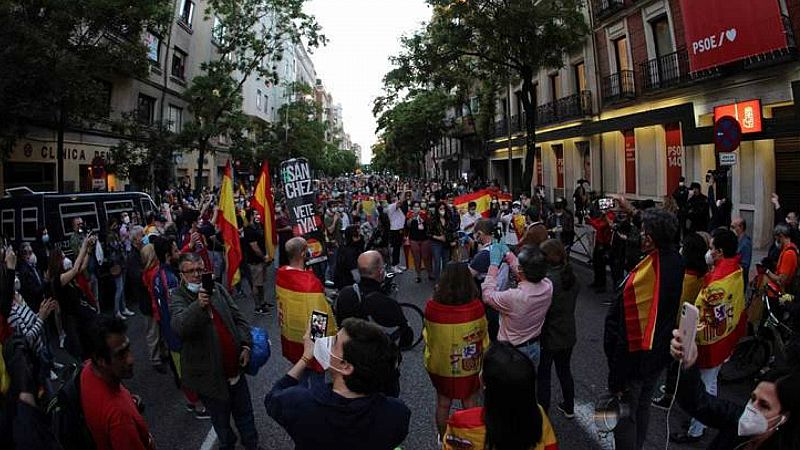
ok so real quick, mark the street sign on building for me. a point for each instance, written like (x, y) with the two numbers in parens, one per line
(727, 159)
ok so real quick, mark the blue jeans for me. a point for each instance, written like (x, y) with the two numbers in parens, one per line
(119, 294)
(441, 256)
(533, 350)
(240, 407)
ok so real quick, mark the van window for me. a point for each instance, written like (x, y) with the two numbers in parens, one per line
(8, 228)
(87, 211)
(114, 209)
(147, 206)
(30, 222)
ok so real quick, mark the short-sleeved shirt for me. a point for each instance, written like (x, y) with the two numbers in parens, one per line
(787, 263)
(251, 235)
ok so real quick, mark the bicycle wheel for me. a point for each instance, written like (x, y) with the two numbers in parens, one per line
(747, 359)
(416, 320)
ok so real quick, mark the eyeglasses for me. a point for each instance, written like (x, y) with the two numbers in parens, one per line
(196, 271)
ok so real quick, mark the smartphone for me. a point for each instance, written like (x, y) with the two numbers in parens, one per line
(208, 283)
(319, 324)
(688, 327)
(606, 203)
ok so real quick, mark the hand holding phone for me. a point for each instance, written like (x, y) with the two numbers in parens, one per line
(688, 332)
(208, 283)
(319, 324)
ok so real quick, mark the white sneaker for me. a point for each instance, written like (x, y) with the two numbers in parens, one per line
(128, 312)
(61, 340)
(401, 268)
(121, 317)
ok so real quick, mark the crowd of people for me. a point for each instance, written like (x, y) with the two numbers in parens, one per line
(501, 315)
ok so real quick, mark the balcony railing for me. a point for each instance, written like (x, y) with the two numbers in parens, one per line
(619, 86)
(666, 71)
(566, 108)
(605, 8)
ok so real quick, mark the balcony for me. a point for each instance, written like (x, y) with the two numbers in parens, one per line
(666, 71)
(572, 107)
(619, 86)
(606, 8)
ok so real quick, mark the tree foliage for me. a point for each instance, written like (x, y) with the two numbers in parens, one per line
(489, 40)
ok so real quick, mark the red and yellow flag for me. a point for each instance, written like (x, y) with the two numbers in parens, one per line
(455, 339)
(466, 430)
(640, 301)
(264, 203)
(482, 199)
(299, 292)
(722, 310)
(226, 224)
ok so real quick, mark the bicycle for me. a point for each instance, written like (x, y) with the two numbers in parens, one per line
(766, 348)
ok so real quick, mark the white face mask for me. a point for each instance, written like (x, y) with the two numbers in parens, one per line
(193, 287)
(67, 263)
(322, 352)
(753, 423)
(126, 220)
(32, 259)
(45, 238)
(709, 258)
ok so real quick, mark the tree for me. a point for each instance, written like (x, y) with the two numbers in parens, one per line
(252, 37)
(58, 57)
(491, 40)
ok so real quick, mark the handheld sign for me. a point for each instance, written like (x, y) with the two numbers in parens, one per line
(298, 189)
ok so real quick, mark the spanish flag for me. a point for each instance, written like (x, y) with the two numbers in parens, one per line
(299, 292)
(455, 340)
(722, 313)
(640, 303)
(264, 203)
(482, 199)
(226, 224)
(466, 430)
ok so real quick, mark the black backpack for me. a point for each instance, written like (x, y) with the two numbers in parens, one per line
(66, 414)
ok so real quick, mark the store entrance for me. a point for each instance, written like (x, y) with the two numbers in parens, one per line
(787, 171)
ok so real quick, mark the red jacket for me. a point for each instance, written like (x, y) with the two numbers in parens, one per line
(602, 227)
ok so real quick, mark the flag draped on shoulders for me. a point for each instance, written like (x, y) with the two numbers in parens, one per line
(482, 199)
(229, 229)
(264, 203)
(466, 430)
(722, 307)
(455, 339)
(640, 298)
(299, 292)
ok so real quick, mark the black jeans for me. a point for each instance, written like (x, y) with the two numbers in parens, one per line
(599, 256)
(396, 241)
(631, 431)
(240, 407)
(562, 360)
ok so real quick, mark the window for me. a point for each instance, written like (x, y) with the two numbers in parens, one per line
(580, 77)
(662, 36)
(175, 119)
(30, 222)
(266, 103)
(187, 11)
(153, 44)
(105, 88)
(621, 54)
(8, 225)
(179, 64)
(146, 109)
(474, 105)
(258, 99)
(86, 211)
(555, 86)
(218, 32)
(147, 205)
(114, 209)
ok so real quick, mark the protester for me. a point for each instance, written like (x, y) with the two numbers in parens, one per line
(697, 209)
(469, 220)
(561, 223)
(397, 218)
(636, 351)
(215, 346)
(346, 266)
(744, 247)
(601, 221)
(455, 324)
(350, 413)
(782, 277)
(510, 417)
(260, 263)
(32, 283)
(769, 420)
(111, 412)
(558, 332)
(522, 309)
(443, 239)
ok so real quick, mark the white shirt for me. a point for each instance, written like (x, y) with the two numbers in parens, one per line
(469, 219)
(397, 220)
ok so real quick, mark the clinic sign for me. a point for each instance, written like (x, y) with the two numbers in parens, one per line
(722, 31)
(300, 195)
(25, 150)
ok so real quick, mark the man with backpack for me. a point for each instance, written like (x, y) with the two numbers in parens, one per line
(111, 412)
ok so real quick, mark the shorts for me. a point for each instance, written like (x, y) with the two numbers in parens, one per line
(257, 274)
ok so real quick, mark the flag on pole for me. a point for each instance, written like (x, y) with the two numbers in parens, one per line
(482, 199)
(228, 227)
(264, 203)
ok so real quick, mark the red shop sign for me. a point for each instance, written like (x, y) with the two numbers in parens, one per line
(630, 161)
(722, 31)
(748, 114)
(674, 143)
(539, 172)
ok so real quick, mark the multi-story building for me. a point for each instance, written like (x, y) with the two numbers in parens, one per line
(635, 110)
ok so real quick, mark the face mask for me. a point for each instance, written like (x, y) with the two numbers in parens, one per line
(441, 212)
(681, 184)
(277, 209)
(32, 259)
(322, 352)
(126, 220)
(193, 287)
(146, 240)
(45, 238)
(17, 284)
(752, 422)
(424, 205)
(709, 258)
(515, 210)
(472, 211)
(67, 263)
(416, 209)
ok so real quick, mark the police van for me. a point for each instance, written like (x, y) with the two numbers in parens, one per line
(24, 212)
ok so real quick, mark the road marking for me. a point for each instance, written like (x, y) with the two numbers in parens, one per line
(584, 416)
(211, 439)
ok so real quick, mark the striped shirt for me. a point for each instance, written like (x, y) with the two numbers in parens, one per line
(26, 324)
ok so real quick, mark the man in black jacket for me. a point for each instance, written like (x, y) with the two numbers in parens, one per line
(639, 325)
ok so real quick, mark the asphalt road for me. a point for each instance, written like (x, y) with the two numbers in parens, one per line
(174, 428)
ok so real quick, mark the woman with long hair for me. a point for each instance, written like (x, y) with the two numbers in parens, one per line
(511, 418)
(419, 239)
(443, 238)
(558, 333)
(455, 311)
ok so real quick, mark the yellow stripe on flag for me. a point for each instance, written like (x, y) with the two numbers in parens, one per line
(226, 223)
(294, 312)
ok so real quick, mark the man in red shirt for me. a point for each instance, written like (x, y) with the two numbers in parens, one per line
(110, 410)
(786, 268)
